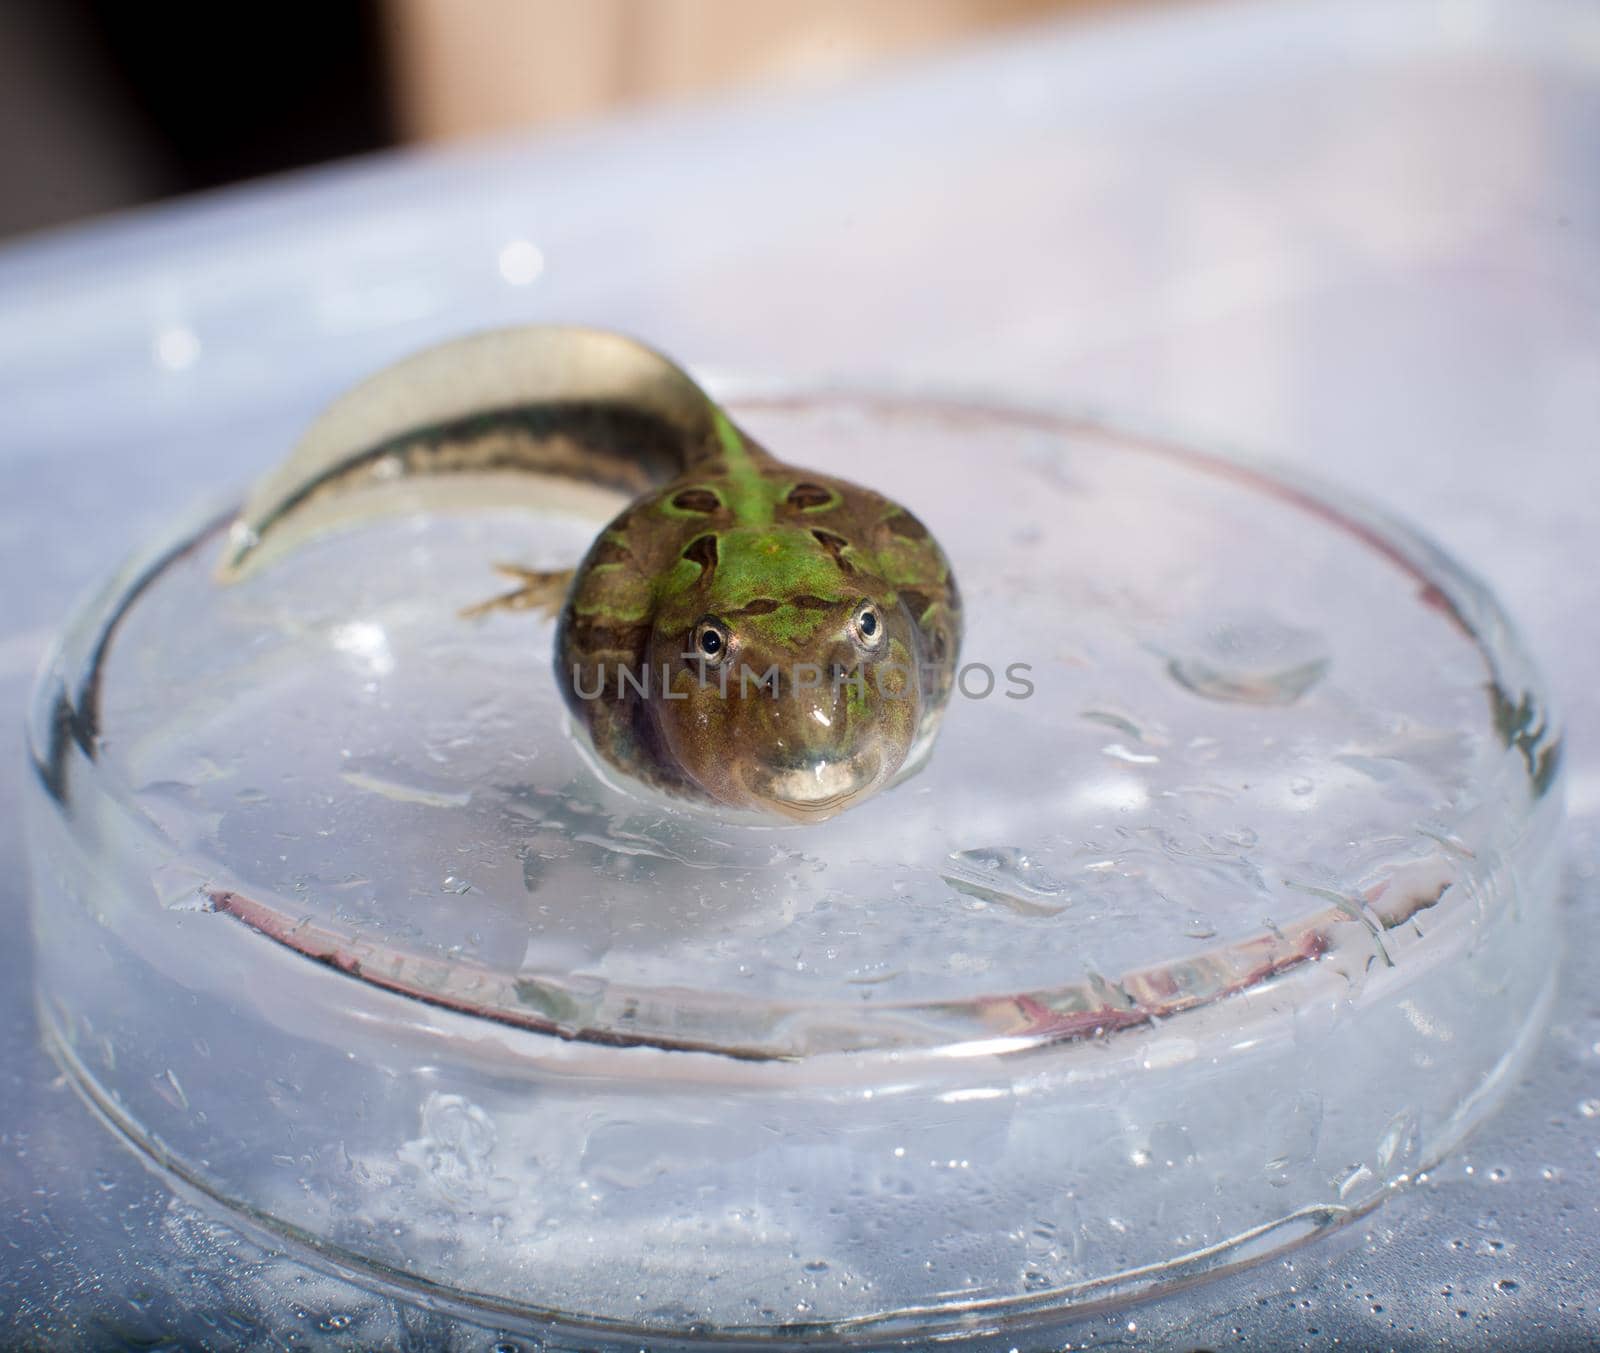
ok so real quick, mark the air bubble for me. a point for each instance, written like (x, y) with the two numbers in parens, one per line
(1251, 659)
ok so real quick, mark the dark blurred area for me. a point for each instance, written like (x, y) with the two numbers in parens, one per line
(106, 104)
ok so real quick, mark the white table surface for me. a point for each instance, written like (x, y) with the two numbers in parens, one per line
(1363, 238)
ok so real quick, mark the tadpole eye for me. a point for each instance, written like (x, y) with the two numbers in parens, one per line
(711, 640)
(868, 625)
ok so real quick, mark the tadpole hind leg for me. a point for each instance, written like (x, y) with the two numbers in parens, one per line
(541, 591)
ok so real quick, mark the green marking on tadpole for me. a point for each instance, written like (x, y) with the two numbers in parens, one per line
(792, 625)
(777, 564)
(750, 493)
(667, 508)
(728, 435)
(628, 609)
(683, 575)
(855, 696)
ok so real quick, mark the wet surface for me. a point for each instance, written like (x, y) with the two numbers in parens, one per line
(1343, 294)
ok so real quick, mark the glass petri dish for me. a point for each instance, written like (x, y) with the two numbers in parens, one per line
(1224, 905)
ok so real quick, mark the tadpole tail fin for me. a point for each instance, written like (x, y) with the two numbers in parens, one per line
(582, 404)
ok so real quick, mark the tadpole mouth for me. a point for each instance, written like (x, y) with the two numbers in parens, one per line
(814, 791)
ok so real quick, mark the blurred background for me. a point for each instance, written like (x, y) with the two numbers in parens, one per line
(101, 107)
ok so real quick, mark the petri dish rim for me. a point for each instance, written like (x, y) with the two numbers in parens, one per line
(64, 727)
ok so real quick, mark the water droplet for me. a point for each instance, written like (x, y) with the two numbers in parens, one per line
(1006, 875)
(196, 899)
(397, 791)
(1295, 1128)
(171, 1089)
(458, 1139)
(1251, 659)
(1506, 1285)
(1590, 1108)
(1171, 1145)
(1119, 752)
(1400, 1144)
(1357, 1183)
(1126, 725)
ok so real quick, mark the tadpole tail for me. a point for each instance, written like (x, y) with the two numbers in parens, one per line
(581, 404)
